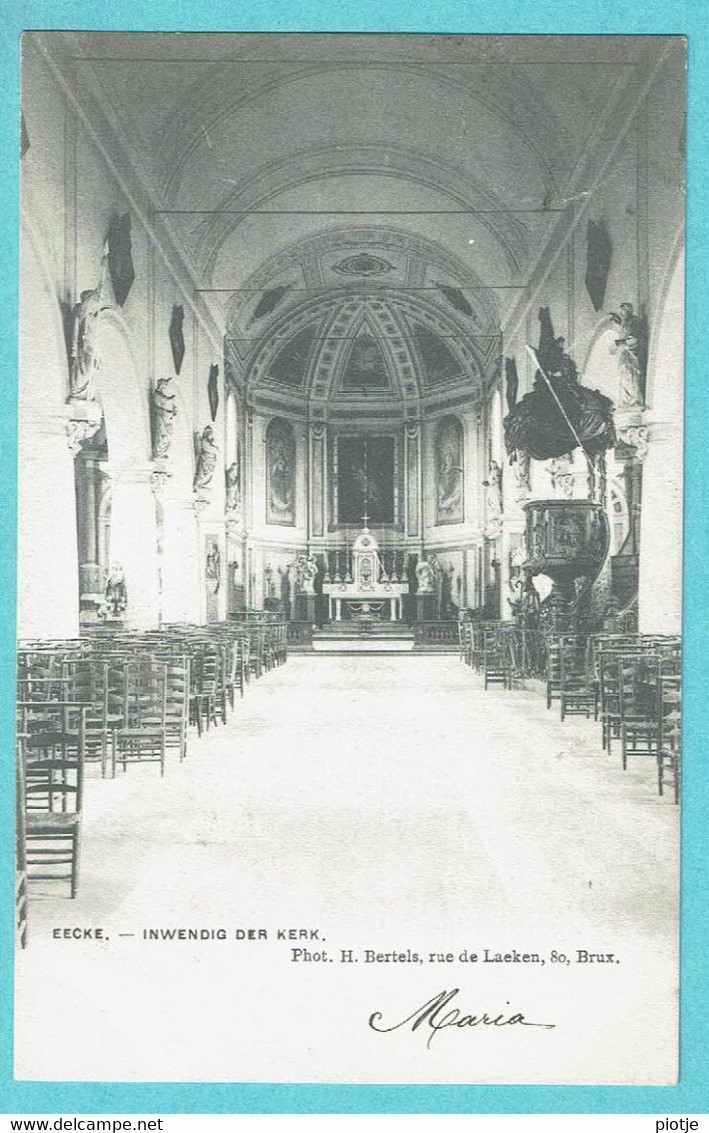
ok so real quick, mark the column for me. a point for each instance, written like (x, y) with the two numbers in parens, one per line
(317, 477)
(660, 585)
(134, 544)
(47, 560)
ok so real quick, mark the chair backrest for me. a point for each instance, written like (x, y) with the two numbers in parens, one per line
(54, 752)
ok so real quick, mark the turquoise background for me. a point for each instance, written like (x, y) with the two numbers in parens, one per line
(530, 16)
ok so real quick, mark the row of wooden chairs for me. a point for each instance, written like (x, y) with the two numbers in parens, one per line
(114, 699)
(631, 682)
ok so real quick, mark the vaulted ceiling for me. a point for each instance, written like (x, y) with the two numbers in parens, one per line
(306, 172)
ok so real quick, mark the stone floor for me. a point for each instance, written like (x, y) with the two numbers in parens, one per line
(395, 808)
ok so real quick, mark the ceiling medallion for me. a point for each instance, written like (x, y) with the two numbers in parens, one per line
(363, 264)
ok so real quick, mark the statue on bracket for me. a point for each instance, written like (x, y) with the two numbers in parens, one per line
(493, 494)
(207, 455)
(84, 356)
(630, 349)
(233, 487)
(164, 412)
(213, 566)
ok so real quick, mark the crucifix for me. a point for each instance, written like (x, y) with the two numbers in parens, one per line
(365, 520)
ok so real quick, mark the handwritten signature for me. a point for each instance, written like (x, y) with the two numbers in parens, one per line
(434, 1014)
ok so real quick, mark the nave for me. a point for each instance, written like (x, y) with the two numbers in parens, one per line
(391, 803)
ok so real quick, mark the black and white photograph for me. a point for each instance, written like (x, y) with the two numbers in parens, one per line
(350, 529)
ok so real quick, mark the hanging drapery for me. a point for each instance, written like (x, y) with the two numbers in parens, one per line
(598, 261)
(120, 258)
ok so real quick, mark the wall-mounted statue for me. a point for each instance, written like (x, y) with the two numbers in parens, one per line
(630, 348)
(115, 595)
(449, 471)
(280, 472)
(164, 412)
(213, 567)
(493, 493)
(521, 463)
(233, 487)
(207, 455)
(84, 356)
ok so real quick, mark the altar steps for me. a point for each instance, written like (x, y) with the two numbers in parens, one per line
(363, 637)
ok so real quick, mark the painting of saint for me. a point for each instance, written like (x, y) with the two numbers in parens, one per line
(449, 471)
(280, 473)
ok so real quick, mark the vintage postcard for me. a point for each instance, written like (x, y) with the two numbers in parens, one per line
(349, 690)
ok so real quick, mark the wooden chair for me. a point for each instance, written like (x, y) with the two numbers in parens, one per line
(496, 668)
(669, 749)
(53, 755)
(21, 901)
(142, 737)
(576, 696)
(638, 688)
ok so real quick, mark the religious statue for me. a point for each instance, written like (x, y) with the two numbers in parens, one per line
(521, 463)
(426, 576)
(213, 567)
(207, 453)
(115, 597)
(630, 349)
(493, 494)
(84, 358)
(311, 573)
(164, 412)
(233, 487)
(562, 477)
(306, 571)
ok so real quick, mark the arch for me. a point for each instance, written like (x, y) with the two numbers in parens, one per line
(315, 247)
(122, 397)
(134, 535)
(600, 369)
(231, 453)
(325, 162)
(516, 100)
(341, 314)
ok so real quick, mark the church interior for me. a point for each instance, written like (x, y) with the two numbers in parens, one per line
(350, 495)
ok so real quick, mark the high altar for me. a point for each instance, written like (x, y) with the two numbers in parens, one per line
(369, 587)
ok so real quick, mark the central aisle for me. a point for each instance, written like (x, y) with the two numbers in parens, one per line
(391, 804)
